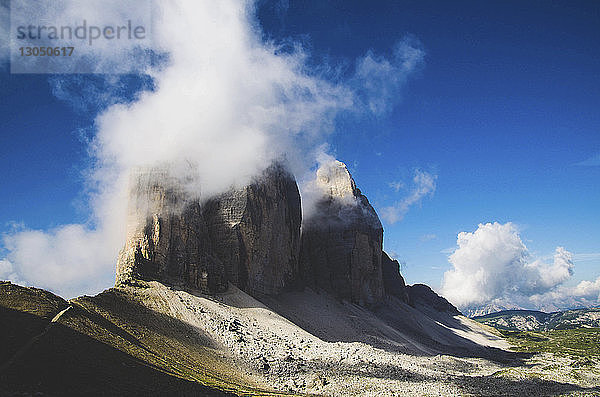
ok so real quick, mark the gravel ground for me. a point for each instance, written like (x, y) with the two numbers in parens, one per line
(364, 362)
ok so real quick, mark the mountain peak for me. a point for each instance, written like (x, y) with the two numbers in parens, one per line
(336, 181)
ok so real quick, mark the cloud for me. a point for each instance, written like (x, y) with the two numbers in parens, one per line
(587, 257)
(396, 185)
(67, 260)
(423, 186)
(584, 294)
(379, 78)
(493, 267)
(4, 26)
(428, 237)
(7, 271)
(91, 94)
(222, 100)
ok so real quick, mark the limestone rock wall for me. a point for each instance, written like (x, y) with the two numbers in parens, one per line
(167, 236)
(256, 232)
(421, 295)
(249, 237)
(342, 241)
(393, 281)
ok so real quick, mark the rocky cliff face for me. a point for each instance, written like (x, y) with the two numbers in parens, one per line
(249, 237)
(420, 295)
(341, 244)
(167, 237)
(393, 281)
(256, 232)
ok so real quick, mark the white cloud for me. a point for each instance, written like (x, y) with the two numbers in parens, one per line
(396, 185)
(67, 260)
(379, 77)
(493, 267)
(584, 294)
(7, 272)
(428, 237)
(587, 257)
(4, 26)
(423, 186)
(226, 102)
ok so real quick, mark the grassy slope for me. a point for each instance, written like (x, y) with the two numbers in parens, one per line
(579, 343)
(108, 345)
(17, 329)
(559, 336)
(569, 355)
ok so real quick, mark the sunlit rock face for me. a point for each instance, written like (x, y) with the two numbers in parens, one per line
(249, 237)
(342, 240)
(167, 238)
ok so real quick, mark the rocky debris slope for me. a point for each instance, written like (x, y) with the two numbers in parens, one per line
(342, 241)
(152, 339)
(250, 236)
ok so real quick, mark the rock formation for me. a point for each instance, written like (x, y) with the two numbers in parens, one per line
(249, 237)
(421, 295)
(167, 237)
(393, 282)
(342, 241)
(255, 231)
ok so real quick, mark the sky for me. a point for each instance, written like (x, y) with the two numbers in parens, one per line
(472, 127)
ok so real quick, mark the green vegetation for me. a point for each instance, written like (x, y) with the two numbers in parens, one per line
(107, 345)
(582, 344)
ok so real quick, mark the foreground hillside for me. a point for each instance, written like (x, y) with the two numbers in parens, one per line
(55, 347)
(153, 339)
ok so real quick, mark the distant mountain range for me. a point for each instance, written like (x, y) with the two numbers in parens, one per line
(532, 320)
(490, 308)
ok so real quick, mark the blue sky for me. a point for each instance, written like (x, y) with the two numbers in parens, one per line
(502, 110)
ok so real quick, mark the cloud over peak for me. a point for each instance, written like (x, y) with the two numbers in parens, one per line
(223, 100)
